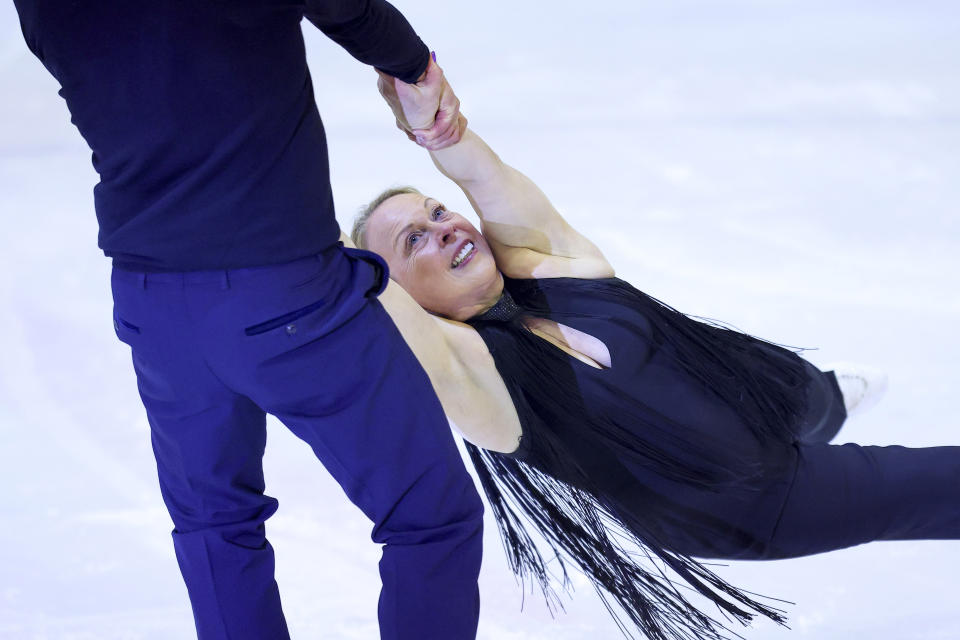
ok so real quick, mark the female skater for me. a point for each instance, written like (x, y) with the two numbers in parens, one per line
(602, 415)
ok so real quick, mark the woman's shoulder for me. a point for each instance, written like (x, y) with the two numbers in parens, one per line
(481, 407)
(469, 348)
(463, 338)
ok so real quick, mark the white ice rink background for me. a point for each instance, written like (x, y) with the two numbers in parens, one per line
(790, 167)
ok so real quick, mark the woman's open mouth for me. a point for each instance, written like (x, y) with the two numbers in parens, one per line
(464, 256)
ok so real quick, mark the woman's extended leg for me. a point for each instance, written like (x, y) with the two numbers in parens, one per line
(825, 409)
(844, 495)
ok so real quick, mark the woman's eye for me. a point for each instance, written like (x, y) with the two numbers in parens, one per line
(439, 211)
(412, 238)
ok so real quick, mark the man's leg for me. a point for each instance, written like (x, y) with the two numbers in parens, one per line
(381, 432)
(321, 353)
(209, 443)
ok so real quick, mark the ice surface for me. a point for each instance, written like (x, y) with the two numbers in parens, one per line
(790, 167)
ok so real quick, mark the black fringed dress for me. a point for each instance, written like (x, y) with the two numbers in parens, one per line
(698, 442)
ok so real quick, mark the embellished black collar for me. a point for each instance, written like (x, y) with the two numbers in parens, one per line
(504, 310)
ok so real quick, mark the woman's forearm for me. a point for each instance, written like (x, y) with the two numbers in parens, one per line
(468, 162)
(498, 192)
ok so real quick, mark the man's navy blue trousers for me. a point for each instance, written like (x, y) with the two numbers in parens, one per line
(308, 342)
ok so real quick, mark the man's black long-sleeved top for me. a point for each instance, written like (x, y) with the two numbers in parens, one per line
(202, 121)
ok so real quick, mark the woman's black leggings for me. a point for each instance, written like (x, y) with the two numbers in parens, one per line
(820, 497)
(844, 495)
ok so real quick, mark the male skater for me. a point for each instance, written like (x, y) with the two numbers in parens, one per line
(237, 300)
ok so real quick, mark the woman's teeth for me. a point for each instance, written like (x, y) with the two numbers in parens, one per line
(467, 248)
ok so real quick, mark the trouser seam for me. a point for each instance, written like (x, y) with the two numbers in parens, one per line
(789, 492)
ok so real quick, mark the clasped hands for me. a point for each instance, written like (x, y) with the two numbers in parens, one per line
(427, 111)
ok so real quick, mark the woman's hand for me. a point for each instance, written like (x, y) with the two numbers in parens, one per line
(427, 111)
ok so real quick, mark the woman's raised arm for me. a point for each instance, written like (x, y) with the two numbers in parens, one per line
(528, 235)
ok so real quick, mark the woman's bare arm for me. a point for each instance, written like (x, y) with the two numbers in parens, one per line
(528, 235)
(460, 369)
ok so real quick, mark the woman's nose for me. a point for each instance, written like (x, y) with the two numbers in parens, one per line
(447, 234)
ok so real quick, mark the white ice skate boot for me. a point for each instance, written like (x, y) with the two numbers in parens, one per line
(862, 387)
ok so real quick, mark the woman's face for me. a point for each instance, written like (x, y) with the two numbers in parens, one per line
(441, 259)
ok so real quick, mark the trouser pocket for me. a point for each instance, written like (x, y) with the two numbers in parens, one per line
(285, 319)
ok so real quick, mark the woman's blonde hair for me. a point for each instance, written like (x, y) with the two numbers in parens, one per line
(358, 234)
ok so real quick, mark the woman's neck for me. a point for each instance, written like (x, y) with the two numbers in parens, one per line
(489, 301)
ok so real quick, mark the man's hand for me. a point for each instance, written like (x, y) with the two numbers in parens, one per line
(428, 111)
(434, 138)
